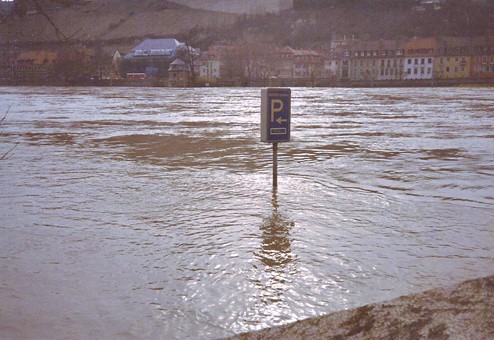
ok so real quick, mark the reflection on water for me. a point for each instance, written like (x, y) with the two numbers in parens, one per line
(275, 249)
(136, 213)
(278, 266)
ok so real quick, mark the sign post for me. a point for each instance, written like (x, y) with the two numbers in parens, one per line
(275, 121)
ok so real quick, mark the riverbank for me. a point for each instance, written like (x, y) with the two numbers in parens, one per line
(153, 82)
(465, 311)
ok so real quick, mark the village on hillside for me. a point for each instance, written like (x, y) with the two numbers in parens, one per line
(310, 54)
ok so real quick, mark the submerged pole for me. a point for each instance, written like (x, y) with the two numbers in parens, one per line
(275, 165)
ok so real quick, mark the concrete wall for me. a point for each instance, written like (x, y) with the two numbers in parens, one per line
(239, 6)
(462, 311)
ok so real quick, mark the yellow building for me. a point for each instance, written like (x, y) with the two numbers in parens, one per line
(453, 59)
(35, 66)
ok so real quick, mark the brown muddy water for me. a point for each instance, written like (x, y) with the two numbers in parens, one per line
(148, 212)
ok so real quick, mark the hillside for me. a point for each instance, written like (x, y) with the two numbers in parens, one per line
(122, 23)
(116, 22)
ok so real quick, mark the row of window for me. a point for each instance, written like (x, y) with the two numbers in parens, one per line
(456, 69)
(483, 68)
(484, 59)
(457, 59)
(422, 70)
(421, 51)
(375, 53)
(390, 72)
(464, 49)
(417, 60)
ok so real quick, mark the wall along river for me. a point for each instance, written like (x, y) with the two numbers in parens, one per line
(149, 212)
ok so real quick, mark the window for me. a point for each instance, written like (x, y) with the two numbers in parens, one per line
(422, 61)
(409, 61)
(429, 60)
(447, 69)
(416, 61)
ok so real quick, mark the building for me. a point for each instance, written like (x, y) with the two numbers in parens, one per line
(283, 63)
(307, 64)
(218, 64)
(179, 73)
(453, 58)
(482, 61)
(332, 64)
(419, 58)
(209, 69)
(391, 60)
(152, 57)
(35, 66)
(364, 60)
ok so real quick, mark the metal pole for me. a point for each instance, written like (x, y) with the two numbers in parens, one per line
(275, 165)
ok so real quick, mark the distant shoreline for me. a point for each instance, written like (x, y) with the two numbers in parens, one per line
(273, 83)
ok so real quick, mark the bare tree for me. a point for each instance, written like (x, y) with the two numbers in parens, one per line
(9, 152)
(192, 38)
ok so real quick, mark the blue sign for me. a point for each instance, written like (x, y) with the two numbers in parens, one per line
(275, 115)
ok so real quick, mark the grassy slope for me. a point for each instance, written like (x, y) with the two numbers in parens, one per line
(120, 23)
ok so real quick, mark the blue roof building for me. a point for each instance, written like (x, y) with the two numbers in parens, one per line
(152, 57)
(155, 47)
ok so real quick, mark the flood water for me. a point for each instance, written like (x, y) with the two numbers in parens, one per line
(149, 212)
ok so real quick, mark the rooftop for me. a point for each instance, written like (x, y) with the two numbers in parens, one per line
(155, 47)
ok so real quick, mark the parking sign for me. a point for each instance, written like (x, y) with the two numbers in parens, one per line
(275, 115)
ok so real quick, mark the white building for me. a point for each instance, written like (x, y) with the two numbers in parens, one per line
(419, 58)
(210, 69)
(419, 67)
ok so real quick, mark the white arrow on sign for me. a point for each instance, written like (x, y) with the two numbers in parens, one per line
(281, 120)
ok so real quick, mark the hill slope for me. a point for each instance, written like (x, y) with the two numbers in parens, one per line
(122, 23)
